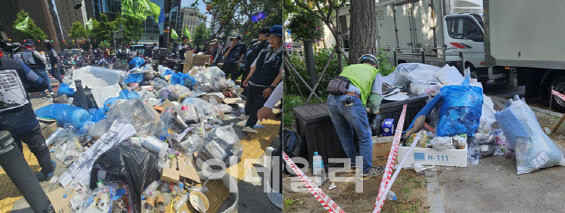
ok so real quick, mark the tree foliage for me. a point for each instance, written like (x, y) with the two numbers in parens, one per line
(132, 28)
(201, 33)
(105, 45)
(32, 31)
(304, 26)
(102, 29)
(78, 31)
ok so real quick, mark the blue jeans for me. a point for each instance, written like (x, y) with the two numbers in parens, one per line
(350, 119)
(43, 74)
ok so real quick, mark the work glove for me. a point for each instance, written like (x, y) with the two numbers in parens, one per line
(374, 102)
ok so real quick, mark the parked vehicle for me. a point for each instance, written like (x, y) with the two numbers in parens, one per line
(524, 38)
(435, 32)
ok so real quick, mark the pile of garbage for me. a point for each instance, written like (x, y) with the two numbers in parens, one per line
(135, 140)
(459, 116)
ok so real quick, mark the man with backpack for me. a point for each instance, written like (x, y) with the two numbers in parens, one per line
(35, 62)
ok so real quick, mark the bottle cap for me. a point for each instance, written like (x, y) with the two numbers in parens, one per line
(181, 185)
(315, 153)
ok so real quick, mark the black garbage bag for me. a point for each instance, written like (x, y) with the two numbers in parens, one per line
(130, 164)
(375, 121)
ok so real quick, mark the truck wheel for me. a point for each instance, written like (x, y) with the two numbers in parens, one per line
(559, 86)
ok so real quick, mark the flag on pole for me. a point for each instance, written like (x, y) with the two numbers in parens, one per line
(89, 24)
(187, 33)
(23, 25)
(162, 16)
(174, 34)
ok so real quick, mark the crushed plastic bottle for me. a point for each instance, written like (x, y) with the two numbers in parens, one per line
(181, 202)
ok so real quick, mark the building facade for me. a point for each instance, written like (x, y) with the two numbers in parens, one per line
(41, 11)
(68, 15)
(190, 19)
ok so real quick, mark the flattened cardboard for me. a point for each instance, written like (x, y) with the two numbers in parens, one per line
(233, 100)
(60, 204)
(48, 130)
(188, 171)
(170, 175)
(381, 150)
(167, 103)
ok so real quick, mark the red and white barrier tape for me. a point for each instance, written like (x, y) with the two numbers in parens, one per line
(429, 128)
(322, 198)
(391, 159)
(553, 92)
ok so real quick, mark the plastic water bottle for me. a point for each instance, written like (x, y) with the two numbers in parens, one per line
(318, 164)
(181, 202)
(391, 195)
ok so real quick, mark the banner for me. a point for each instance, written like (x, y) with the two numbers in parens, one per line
(187, 33)
(22, 26)
(162, 16)
(174, 34)
(140, 9)
(89, 25)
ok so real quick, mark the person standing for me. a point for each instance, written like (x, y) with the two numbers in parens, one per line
(54, 61)
(348, 113)
(216, 52)
(182, 48)
(264, 76)
(16, 113)
(233, 57)
(263, 42)
(35, 62)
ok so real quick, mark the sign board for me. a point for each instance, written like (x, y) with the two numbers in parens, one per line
(119, 33)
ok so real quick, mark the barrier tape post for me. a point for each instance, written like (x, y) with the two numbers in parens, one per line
(322, 198)
(562, 97)
(391, 159)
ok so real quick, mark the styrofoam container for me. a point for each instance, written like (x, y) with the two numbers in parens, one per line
(432, 157)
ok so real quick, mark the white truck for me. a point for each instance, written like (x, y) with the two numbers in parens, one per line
(435, 32)
(525, 38)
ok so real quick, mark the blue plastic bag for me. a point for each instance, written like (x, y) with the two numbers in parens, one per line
(108, 102)
(169, 72)
(134, 78)
(64, 114)
(97, 114)
(64, 89)
(182, 79)
(461, 110)
(136, 62)
(126, 94)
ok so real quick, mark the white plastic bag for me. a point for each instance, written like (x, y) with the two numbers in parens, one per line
(440, 143)
(449, 75)
(415, 73)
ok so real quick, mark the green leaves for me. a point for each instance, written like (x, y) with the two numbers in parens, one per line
(26, 27)
(140, 9)
(78, 31)
(304, 26)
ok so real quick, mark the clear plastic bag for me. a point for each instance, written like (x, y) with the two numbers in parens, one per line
(534, 149)
(449, 75)
(179, 92)
(191, 144)
(164, 93)
(220, 144)
(440, 143)
(133, 111)
(416, 73)
(99, 128)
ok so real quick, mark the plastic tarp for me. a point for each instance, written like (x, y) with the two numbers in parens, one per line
(64, 114)
(130, 164)
(534, 149)
(97, 114)
(105, 83)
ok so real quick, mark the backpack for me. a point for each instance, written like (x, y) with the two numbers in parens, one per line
(293, 144)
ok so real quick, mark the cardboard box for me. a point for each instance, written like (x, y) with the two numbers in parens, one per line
(48, 130)
(200, 60)
(381, 150)
(432, 157)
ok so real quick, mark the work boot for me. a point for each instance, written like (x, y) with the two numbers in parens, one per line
(249, 129)
(373, 172)
(46, 176)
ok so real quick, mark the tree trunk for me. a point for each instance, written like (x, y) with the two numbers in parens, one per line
(363, 29)
(310, 62)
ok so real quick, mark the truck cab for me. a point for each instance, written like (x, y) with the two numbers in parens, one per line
(465, 31)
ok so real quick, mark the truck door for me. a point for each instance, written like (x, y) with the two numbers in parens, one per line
(465, 32)
(403, 27)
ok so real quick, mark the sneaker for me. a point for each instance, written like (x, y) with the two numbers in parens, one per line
(249, 129)
(45, 177)
(373, 172)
